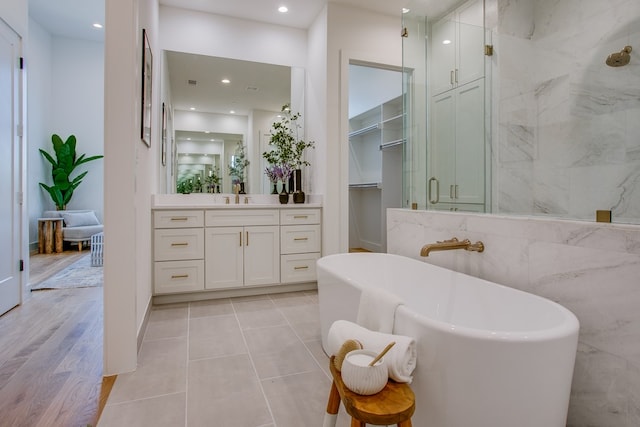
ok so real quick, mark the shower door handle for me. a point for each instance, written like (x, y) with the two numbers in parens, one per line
(437, 199)
(451, 77)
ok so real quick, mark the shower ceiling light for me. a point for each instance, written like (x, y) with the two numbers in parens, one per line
(446, 41)
(283, 9)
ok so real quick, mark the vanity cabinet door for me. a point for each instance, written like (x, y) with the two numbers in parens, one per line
(242, 256)
(224, 257)
(262, 255)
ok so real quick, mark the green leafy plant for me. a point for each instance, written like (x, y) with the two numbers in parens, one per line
(62, 166)
(286, 146)
(239, 163)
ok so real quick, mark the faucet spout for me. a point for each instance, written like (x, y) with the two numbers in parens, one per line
(236, 191)
(452, 244)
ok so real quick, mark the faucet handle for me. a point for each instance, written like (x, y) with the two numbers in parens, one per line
(246, 200)
(226, 200)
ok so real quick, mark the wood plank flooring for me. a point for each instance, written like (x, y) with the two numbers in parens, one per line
(51, 353)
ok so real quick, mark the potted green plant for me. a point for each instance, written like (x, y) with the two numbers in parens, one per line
(62, 167)
(238, 166)
(287, 148)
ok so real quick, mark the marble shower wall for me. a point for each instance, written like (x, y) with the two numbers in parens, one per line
(567, 133)
(593, 269)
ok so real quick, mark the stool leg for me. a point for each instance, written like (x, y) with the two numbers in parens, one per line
(405, 423)
(356, 423)
(333, 405)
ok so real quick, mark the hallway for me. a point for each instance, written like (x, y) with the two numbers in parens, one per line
(51, 353)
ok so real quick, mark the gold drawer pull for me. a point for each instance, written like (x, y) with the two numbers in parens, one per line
(180, 244)
(301, 238)
(301, 216)
(179, 218)
(304, 267)
(179, 276)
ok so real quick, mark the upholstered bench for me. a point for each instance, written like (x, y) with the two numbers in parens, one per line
(79, 225)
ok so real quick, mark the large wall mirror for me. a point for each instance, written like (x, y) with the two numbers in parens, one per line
(220, 104)
(560, 122)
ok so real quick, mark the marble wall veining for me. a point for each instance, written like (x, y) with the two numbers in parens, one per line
(567, 136)
(593, 269)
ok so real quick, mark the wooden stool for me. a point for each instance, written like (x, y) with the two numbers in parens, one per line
(395, 404)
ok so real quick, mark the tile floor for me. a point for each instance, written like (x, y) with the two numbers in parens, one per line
(238, 362)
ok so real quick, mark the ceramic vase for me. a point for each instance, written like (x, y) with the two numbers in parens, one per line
(298, 195)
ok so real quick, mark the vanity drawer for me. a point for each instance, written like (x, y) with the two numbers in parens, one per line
(299, 216)
(178, 244)
(178, 219)
(240, 217)
(178, 276)
(295, 239)
(298, 268)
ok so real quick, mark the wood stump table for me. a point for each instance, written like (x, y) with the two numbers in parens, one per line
(49, 235)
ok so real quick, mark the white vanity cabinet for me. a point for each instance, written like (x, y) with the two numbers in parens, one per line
(211, 252)
(242, 248)
(299, 244)
(178, 242)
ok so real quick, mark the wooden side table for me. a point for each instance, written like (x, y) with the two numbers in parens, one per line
(49, 235)
(395, 404)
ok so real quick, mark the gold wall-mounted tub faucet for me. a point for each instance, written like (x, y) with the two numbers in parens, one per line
(452, 244)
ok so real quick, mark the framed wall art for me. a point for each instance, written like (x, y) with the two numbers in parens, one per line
(147, 73)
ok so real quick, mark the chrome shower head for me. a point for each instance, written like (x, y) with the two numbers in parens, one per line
(619, 59)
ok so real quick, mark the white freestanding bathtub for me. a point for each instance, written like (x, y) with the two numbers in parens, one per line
(488, 355)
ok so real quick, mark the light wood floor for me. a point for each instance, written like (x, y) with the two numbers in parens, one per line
(51, 353)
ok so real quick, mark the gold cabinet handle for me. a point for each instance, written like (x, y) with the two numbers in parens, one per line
(301, 216)
(300, 238)
(179, 276)
(247, 238)
(240, 235)
(302, 267)
(180, 244)
(179, 218)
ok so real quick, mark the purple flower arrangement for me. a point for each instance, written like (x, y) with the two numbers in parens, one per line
(278, 172)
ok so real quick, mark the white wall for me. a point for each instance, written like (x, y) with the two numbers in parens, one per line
(77, 108)
(352, 34)
(208, 34)
(38, 65)
(16, 14)
(130, 179)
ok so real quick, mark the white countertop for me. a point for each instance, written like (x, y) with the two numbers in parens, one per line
(217, 201)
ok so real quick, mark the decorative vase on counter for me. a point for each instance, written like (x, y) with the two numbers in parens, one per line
(283, 196)
(290, 186)
(298, 195)
(241, 188)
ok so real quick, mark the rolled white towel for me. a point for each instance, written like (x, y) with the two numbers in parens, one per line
(377, 310)
(400, 360)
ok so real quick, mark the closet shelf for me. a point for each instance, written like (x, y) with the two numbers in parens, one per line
(364, 130)
(364, 185)
(391, 144)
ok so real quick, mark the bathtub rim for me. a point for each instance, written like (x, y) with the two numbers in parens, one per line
(568, 327)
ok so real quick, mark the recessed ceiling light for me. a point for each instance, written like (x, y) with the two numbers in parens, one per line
(97, 25)
(405, 10)
(226, 81)
(232, 112)
(192, 108)
(283, 9)
(446, 41)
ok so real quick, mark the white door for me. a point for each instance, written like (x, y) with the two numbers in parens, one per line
(10, 223)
